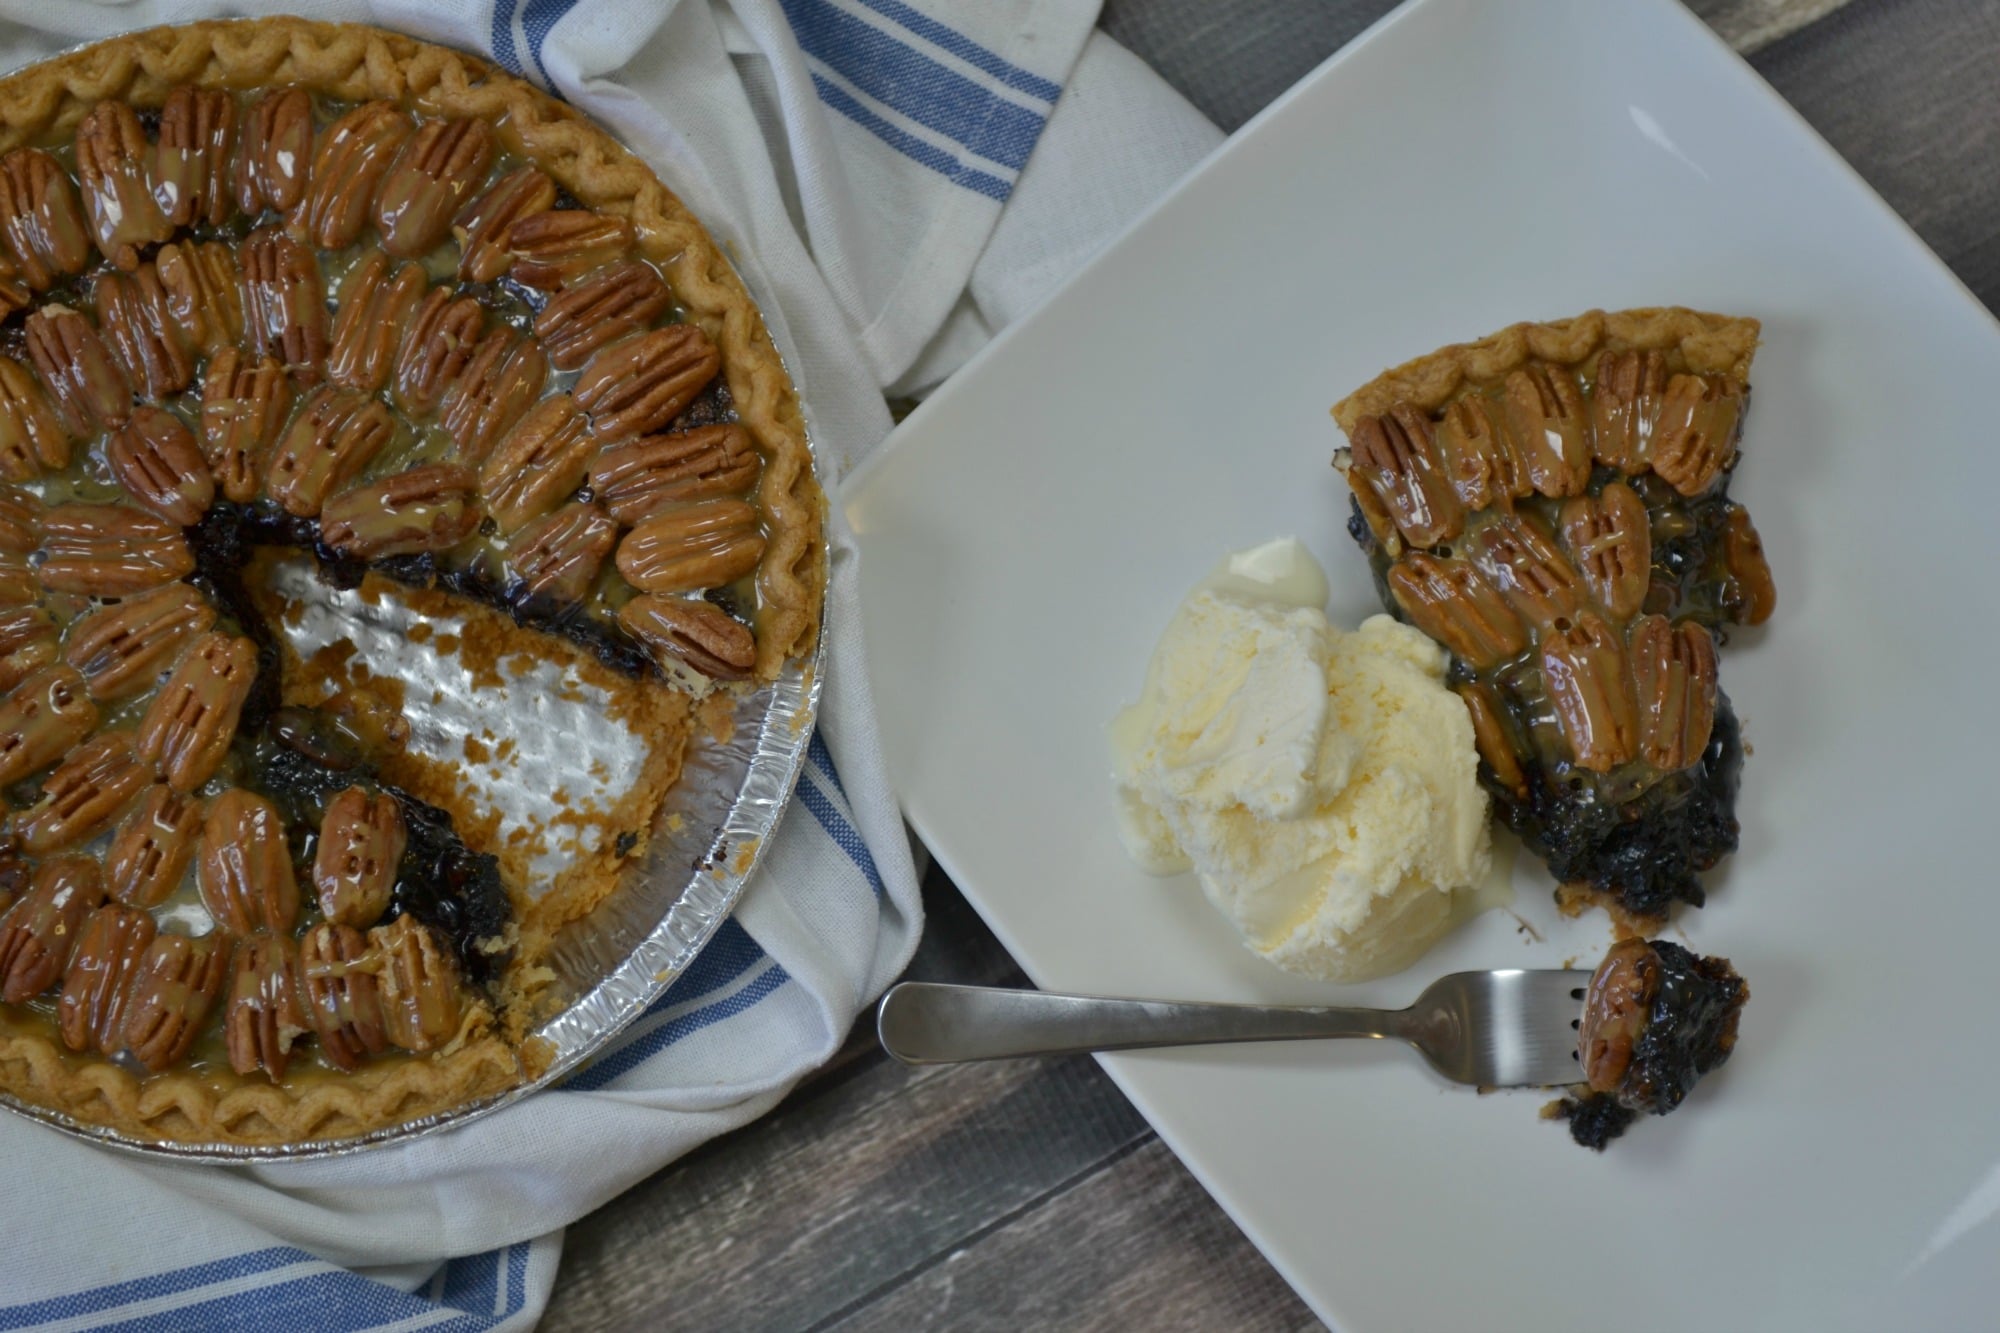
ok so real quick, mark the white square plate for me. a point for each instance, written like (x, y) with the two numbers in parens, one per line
(1029, 531)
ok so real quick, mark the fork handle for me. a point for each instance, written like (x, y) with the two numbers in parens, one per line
(924, 1023)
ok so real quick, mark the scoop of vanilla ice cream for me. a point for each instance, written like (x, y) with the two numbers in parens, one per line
(1322, 784)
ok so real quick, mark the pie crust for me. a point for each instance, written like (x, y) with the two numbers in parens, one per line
(1710, 345)
(206, 1103)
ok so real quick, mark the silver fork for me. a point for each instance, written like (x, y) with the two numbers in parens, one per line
(1495, 1029)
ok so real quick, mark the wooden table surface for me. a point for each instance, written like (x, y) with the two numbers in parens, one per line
(1030, 1194)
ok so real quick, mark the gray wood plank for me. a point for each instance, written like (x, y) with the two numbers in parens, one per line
(833, 1199)
(1751, 25)
(1231, 59)
(1906, 91)
(1138, 1245)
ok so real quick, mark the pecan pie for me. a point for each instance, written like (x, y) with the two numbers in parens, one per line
(1656, 1018)
(271, 286)
(1551, 504)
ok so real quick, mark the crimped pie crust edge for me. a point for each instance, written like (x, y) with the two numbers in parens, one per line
(355, 62)
(1711, 344)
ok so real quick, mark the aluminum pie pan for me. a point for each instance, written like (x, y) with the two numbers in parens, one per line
(621, 957)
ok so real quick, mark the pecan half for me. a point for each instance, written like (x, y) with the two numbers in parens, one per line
(42, 718)
(436, 349)
(108, 550)
(142, 333)
(556, 557)
(122, 648)
(20, 520)
(1609, 538)
(554, 248)
(284, 302)
(274, 152)
(84, 794)
(637, 479)
(354, 155)
(1449, 600)
(1673, 670)
(1695, 441)
(18, 586)
(191, 161)
(419, 986)
(245, 866)
(361, 839)
(501, 381)
(90, 1012)
(244, 403)
(265, 1015)
(1395, 458)
(1625, 407)
(154, 845)
(27, 643)
(437, 169)
(336, 433)
(699, 634)
(204, 293)
(15, 294)
(1750, 594)
(1616, 1009)
(1492, 735)
(337, 981)
(481, 227)
(375, 308)
(1526, 567)
(154, 457)
(188, 726)
(428, 508)
(88, 390)
(1590, 687)
(702, 545)
(111, 161)
(1479, 455)
(602, 308)
(31, 436)
(642, 383)
(39, 932)
(41, 218)
(172, 990)
(1550, 424)
(538, 464)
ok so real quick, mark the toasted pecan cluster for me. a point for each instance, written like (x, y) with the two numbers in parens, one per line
(175, 317)
(374, 327)
(1564, 531)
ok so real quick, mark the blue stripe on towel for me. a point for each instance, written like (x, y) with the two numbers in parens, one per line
(536, 19)
(644, 1047)
(913, 85)
(481, 1290)
(837, 827)
(910, 146)
(503, 35)
(971, 52)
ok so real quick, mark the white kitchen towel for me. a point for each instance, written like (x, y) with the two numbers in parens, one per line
(896, 179)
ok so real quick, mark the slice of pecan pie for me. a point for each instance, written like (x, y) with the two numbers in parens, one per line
(277, 286)
(1656, 1019)
(1551, 504)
